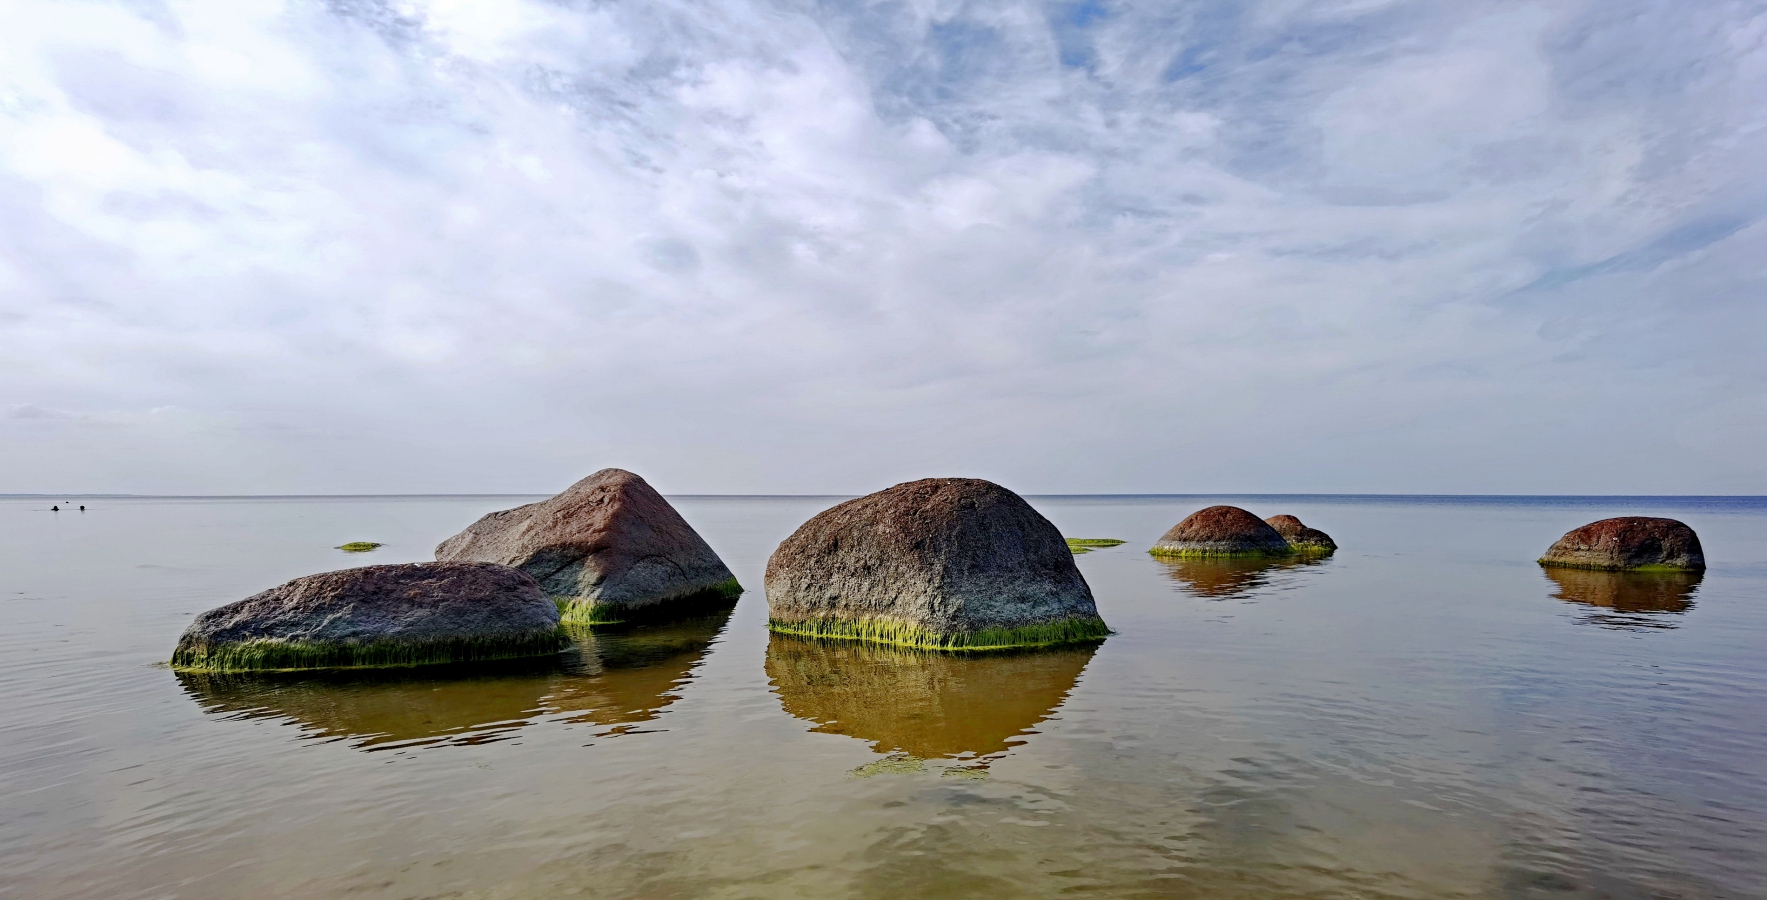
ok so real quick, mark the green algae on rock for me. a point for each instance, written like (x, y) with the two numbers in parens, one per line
(937, 564)
(357, 546)
(1087, 545)
(609, 547)
(1222, 531)
(1635, 543)
(375, 616)
(1304, 540)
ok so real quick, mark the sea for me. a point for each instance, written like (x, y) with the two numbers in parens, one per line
(1426, 714)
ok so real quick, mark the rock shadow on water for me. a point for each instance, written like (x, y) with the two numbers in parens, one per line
(614, 682)
(1627, 600)
(1230, 578)
(916, 706)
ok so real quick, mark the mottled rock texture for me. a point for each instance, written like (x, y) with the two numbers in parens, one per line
(397, 615)
(1629, 542)
(610, 549)
(1222, 531)
(1306, 540)
(941, 563)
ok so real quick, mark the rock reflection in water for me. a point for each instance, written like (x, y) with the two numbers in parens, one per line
(1636, 599)
(611, 680)
(918, 704)
(1223, 578)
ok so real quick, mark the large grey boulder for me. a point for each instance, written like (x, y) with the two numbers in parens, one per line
(941, 563)
(398, 615)
(1629, 542)
(609, 548)
(1222, 531)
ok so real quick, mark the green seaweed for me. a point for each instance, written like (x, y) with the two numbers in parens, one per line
(268, 655)
(1221, 554)
(1072, 630)
(1312, 549)
(1086, 545)
(1653, 567)
(358, 546)
(580, 611)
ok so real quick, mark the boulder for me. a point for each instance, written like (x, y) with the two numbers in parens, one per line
(398, 615)
(940, 563)
(1306, 540)
(1222, 531)
(1629, 542)
(609, 549)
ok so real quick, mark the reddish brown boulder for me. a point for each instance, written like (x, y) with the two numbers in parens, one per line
(609, 548)
(1303, 539)
(1629, 542)
(940, 563)
(1222, 531)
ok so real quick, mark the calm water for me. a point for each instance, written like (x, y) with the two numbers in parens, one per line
(1426, 714)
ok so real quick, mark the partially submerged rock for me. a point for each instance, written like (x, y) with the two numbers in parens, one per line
(940, 563)
(1629, 542)
(358, 546)
(1306, 540)
(1087, 545)
(1222, 531)
(606, 680)
(397, 615)
(609, 548)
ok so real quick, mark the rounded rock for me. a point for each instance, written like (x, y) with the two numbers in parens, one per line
(1629, 542)
(395, 615)
(609, 548)
(1301, 538)
(940, 563)
(1222, 531)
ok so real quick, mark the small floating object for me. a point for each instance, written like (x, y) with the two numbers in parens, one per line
(1222, 531)
(1309, 541)
(1634, 543)
(938, 564)
(358, 546)
(1087, 545)
(397, 615)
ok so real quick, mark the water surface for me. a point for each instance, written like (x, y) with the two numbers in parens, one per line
(1425, 714)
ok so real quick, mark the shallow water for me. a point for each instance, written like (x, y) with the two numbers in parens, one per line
(1425, 714)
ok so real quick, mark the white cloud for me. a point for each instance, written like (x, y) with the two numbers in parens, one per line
(474, 245)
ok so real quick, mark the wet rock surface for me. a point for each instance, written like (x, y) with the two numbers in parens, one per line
(1222, 531)
(1629, 542)
(1300, 537)
(943, 563)
(410, 614)
(610, 545)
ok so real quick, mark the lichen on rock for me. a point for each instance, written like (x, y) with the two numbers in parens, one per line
(940, 563)
(1222, 531)
(1629, 542)
(610, 548)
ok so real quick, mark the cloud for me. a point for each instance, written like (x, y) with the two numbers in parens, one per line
(743, 246)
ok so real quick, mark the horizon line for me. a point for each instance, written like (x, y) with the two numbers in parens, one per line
(126, 496)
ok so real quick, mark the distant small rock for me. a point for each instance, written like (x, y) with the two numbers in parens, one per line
(1629, 542)
(358, 546)
(940, 563)
(1222, 531)
(1303, 539)
(396, 615)
(609, 548)
(1087, 545)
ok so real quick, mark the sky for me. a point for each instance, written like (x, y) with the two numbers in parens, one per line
(1361, 246)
